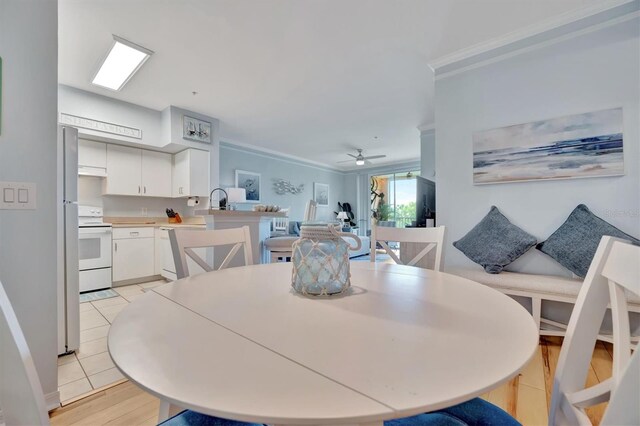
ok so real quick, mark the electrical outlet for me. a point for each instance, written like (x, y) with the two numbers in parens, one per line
(17, 196)
(144, 212)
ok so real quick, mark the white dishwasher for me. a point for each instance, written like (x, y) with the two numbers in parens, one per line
(168, 263)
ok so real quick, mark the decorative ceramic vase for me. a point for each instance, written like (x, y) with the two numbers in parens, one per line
(321, 259)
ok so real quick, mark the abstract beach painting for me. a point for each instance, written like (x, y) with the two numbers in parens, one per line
(575, 146)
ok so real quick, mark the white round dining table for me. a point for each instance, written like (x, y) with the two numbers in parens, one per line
(241, 344)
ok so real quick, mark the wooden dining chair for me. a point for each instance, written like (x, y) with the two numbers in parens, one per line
(614, 272)
(21, 398)
(183, 241)
(432, 238)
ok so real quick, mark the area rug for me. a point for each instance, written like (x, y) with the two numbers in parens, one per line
(92, 296)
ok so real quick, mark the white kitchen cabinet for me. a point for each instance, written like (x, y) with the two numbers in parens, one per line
(134, 171)
(156, 174)
(133, 253)
(124, 170)
(191, 173)
(92, 158)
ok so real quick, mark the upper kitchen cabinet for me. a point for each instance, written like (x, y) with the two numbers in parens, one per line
(92, 158)
(124, 166)
(156, 174)
(191, 173)
(133, 171)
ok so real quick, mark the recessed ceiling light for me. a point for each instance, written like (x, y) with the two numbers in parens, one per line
(120, 64)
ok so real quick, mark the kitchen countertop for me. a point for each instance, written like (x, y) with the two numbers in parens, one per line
(154, 222)
(239, 213)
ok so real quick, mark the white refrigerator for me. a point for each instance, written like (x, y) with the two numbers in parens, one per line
(68, 275)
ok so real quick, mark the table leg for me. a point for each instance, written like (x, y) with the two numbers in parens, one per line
(167, 410)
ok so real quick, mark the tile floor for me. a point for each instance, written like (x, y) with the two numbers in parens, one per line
(90, 367)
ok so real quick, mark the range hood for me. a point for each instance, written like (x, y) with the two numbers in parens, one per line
(92, 171)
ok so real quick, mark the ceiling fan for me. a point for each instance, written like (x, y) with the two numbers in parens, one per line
(360, 159)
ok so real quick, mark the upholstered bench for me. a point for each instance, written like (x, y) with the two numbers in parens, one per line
(538, 288)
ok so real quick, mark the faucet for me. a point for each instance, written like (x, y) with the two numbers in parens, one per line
(222, 203)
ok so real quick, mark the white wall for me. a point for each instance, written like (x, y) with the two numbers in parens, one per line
(90, 105)
(595, 71)
(428, 154)
(28, 270)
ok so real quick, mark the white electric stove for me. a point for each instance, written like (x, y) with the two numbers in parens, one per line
(94, 249)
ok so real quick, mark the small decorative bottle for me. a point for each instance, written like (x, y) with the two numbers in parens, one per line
(321, 259)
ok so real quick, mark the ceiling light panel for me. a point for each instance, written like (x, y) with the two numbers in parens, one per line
(120, 64)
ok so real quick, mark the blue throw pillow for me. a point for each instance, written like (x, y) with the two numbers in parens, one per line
(495, 242)
(574, 244)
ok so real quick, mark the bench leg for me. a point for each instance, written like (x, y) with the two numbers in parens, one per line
(536, 310)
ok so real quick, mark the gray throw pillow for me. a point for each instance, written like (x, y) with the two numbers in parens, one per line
(574, 244)
(495, 242)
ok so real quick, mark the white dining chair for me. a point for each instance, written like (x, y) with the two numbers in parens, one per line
(432, 237)
(183, 241)
(614, 272)
(310, 211)
(280, 225)
(21, 398)
(280, 247)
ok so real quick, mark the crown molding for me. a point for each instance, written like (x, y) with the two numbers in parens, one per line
(608, 12)
(429, 127)
(408, 165)
(277, 155)
(292, 159)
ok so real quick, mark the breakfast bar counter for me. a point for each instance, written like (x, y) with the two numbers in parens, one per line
(259, 224)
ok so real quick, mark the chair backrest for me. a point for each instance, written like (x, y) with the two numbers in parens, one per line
(614, 271)
(310, 211)
(21, 398)
(183, 241)
(432, 237)
(281, 224)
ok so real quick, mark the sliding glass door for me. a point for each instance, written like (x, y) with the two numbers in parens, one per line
(393, 198)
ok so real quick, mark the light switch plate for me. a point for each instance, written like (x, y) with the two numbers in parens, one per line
(17, 196)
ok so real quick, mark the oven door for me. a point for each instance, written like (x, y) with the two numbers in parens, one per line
(94, 248)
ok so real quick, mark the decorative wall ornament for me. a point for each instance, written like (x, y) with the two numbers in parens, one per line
(250, 181)
(574, 146)
(196, 130)
(100, 126)
(281, 187)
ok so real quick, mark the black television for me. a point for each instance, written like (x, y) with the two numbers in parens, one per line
(425, 200)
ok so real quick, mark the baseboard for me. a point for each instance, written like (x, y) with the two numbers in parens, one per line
(52, 400)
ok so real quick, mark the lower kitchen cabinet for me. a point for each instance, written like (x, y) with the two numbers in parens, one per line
(133, 253)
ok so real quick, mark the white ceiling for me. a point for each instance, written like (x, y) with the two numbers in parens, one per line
(311, 78)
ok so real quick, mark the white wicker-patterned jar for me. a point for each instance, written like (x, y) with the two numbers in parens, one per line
(321, 259)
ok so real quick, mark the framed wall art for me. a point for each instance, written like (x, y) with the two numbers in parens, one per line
(321, 194)
(250, 181)
(574, 146)
(196, 130)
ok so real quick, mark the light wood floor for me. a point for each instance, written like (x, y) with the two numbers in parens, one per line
(526, 397)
